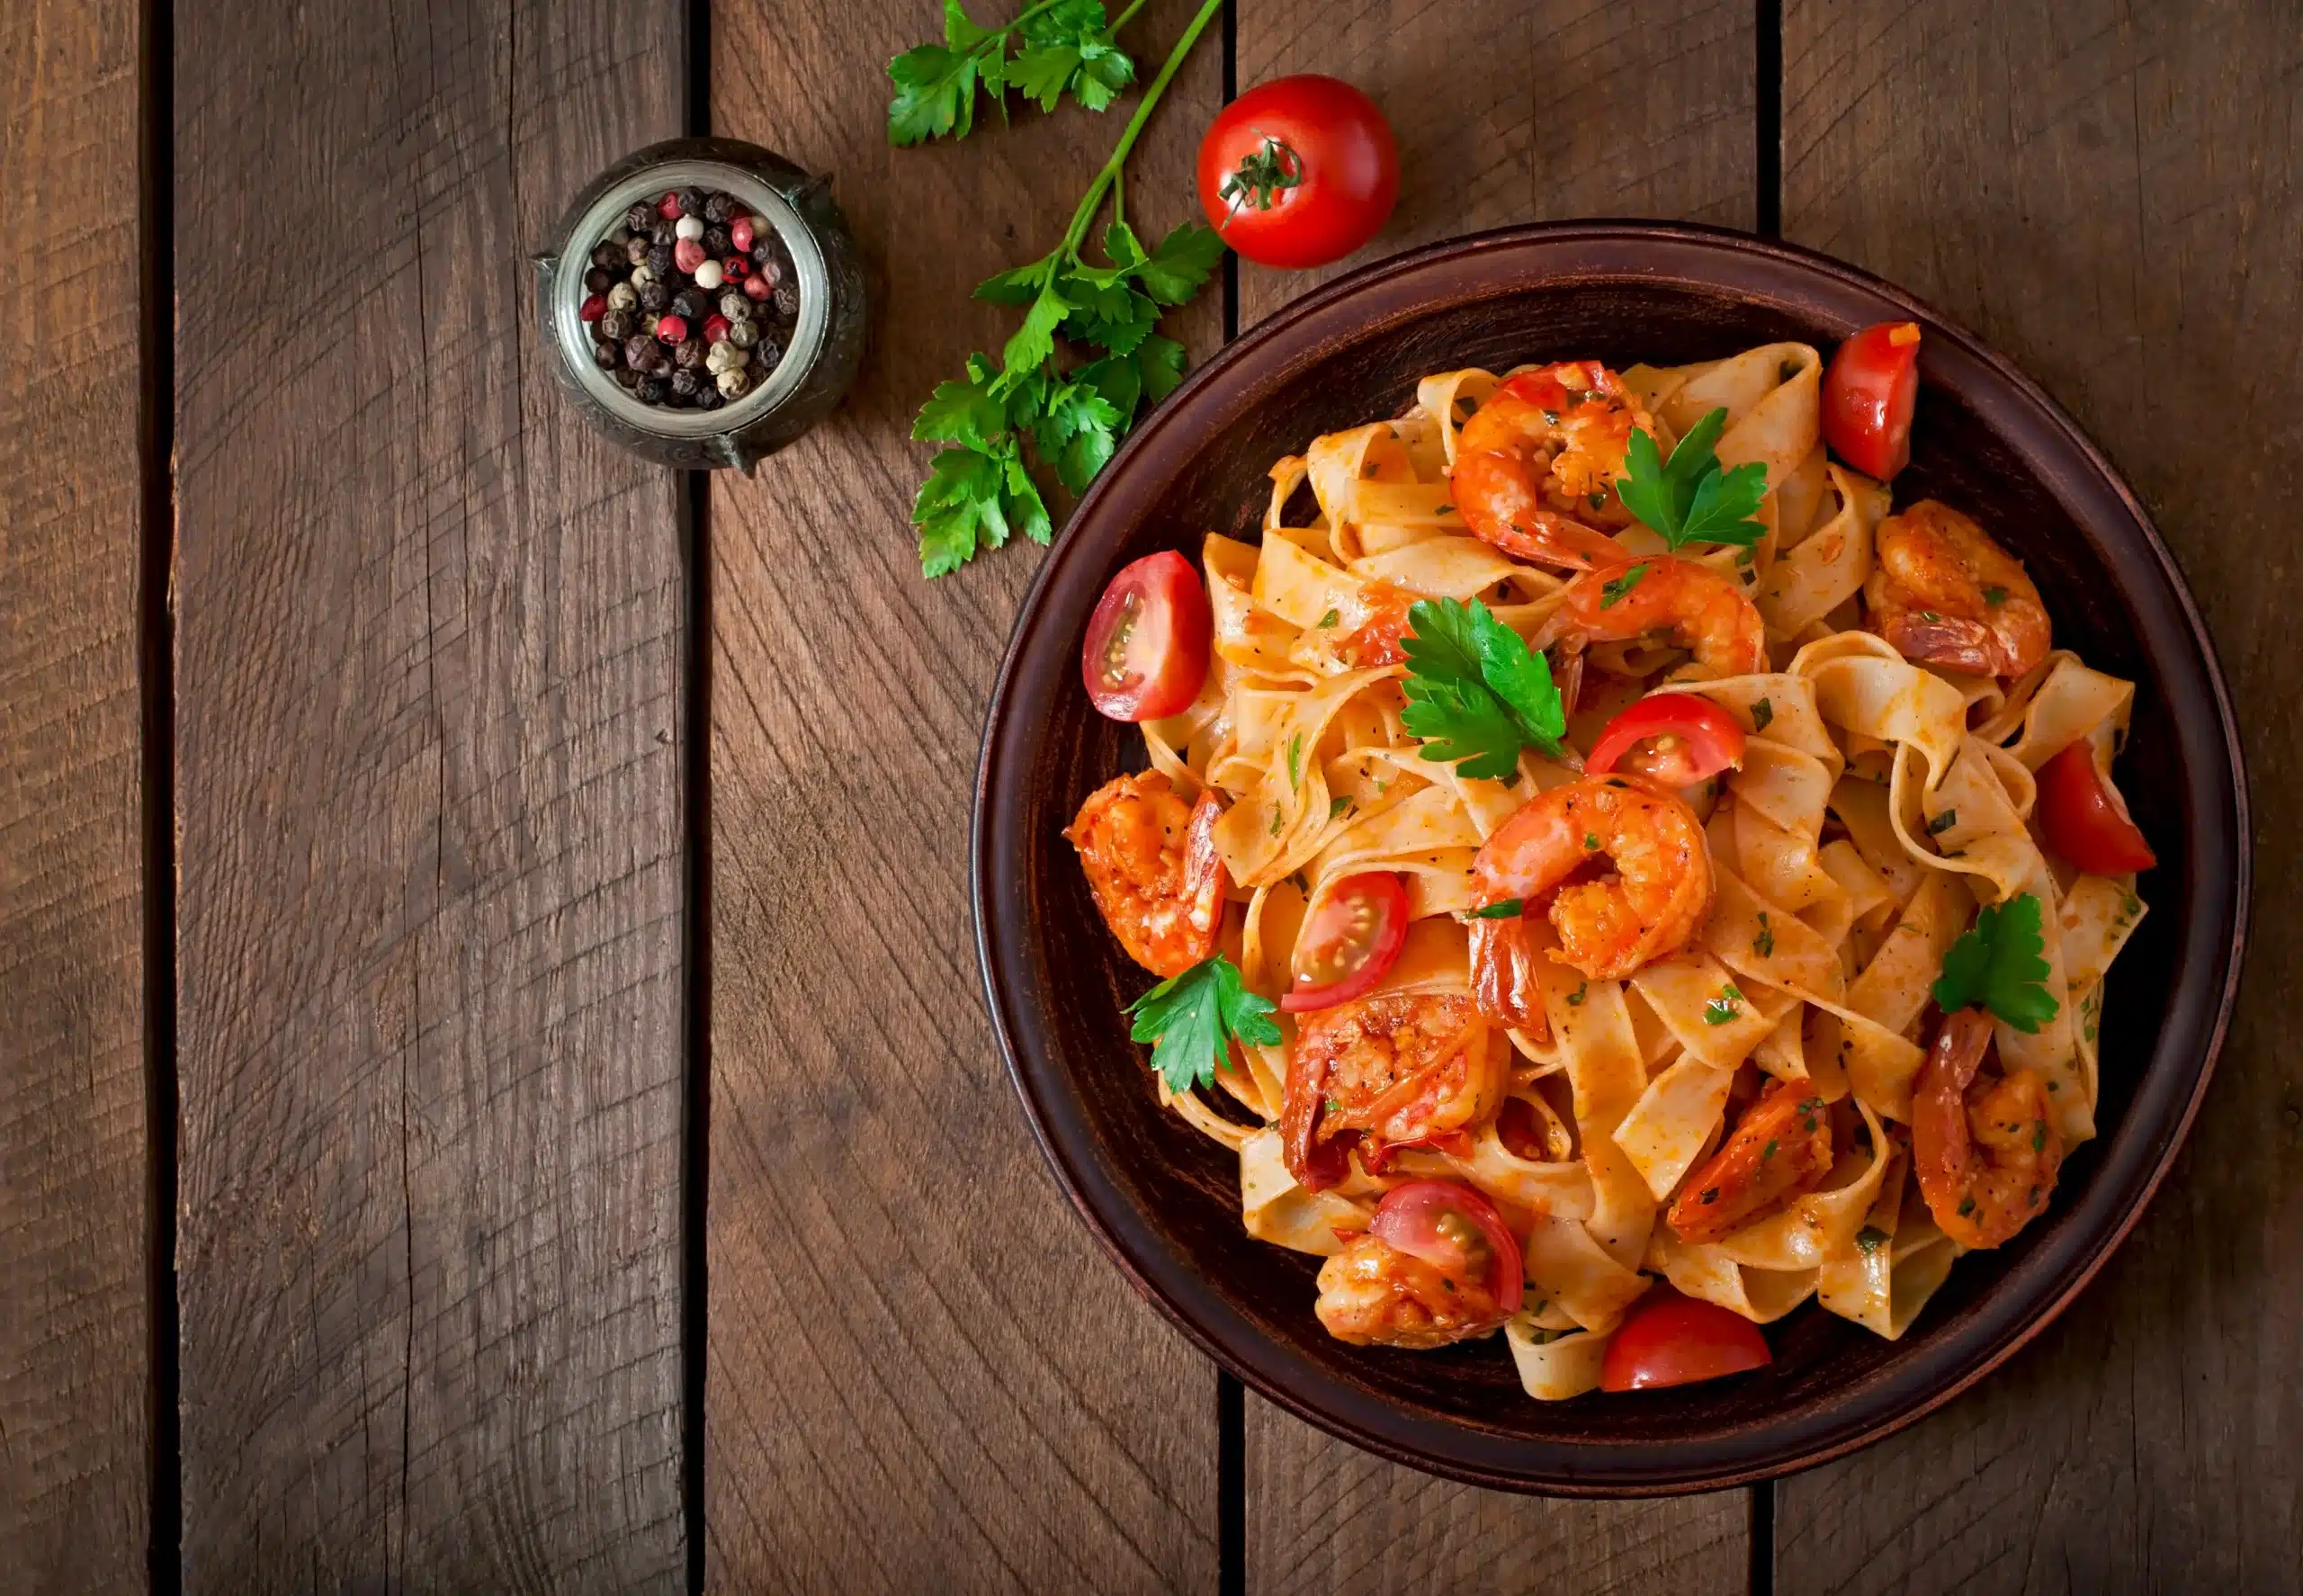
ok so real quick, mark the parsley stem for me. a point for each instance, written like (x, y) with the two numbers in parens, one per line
(1094, 199)
(1123, 17)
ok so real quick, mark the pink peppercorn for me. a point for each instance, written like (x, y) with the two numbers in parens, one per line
(593, 308)
(755, 287)
(669, 206)
(739, 234)
(715, 327)
(672, 329)
(687, 254)
(735, 266)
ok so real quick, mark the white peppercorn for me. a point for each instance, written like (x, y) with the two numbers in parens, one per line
(733, 383)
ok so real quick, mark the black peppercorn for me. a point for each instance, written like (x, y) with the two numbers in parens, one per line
(651, 390)
(787, 301)
(707, 398)
(605, 356)
(654, 297)
(717, 243)
(638, 351)
(626, 376)
(616, 326)
(691, 202)
(687, 303)
(640, 218)
(605, 254)
(635, 254)
(659, 259)
(684, 382)
(597, 279)
(763, 257)
(766, 354)
(689, 356)
(717, 208)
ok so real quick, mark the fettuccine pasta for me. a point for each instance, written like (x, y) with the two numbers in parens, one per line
(1576, 1030)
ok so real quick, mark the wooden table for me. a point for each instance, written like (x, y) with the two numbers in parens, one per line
(493, 1088)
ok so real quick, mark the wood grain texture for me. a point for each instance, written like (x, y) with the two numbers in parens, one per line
(1513, 110)
(1506, 111)
(2109, 193)
(1328, 1520)
(74, 1324)
(428, 690)
(921, 1372)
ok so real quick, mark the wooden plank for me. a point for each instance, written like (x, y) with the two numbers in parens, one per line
(74, 1395)
(2110, 194)
(1506, 111)
(1513, 110)
(921, 1374)
(428, 694)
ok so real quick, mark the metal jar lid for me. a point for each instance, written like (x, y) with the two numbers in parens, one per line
(827, 342)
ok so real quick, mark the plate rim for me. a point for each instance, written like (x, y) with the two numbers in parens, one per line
(1651, 1473)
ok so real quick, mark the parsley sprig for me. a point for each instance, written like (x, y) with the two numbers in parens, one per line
(1067, 46)
(1688, 498)
(1475, 691)
(980, 489)
(2000, 963)
(1190, 1018)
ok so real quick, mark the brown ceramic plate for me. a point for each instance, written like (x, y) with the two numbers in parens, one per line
(1165, 1201)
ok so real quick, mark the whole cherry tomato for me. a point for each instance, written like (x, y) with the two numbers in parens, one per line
(1869, 391)
(1145, 654)
(1299, 171)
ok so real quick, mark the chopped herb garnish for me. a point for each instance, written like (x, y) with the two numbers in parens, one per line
(1768, 1152)
(1763, 943)
(1710, 1195)
(1689, 499)
(1995, 596)
(1943, 822)
(1869, 1240)
(1278, 819)
(1296, 761)
(1575, 998)
(1591, 842)
(1445, 510)
(2039, 1135)
(1613, 592)
(1336, 807)
(1999, 964)
(1723, 1007)
(1189, 1020)
(1507, 908)
(1966, 1206)
(1762, 714)
(1329, 619)
(1477, 693)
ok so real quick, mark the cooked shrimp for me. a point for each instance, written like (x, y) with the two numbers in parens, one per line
(1373, 1295)
(1536, 466)
(1697, 608)
(1619, 868)
(1780, 1150)
(1383, 619)
(1151, 858)
(1945, 594)
(1398, 1070)
(1986, 1153)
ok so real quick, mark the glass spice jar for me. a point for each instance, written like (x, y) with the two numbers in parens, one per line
(826, 339)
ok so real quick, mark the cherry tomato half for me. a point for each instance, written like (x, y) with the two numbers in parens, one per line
(1669, 1339)
(2085, 818)
(1456, 1229)
(1299, 171)
(1349, 941)
(1869, 391)
(1694, 739)
(1146, 650)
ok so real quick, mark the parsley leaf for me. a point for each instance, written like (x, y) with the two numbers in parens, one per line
(1615, 590)
(1477, 693)
(1031, 410)
(1723, 1007)
(1505, 909)
(1689, 499)
(1762, 714)
(1067, 47)
(1999, 964)
(1869, 1240)
(1189, 1018)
